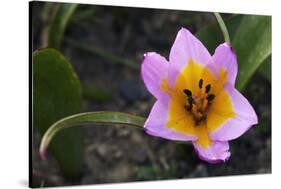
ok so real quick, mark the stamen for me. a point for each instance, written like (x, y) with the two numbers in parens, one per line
(207, 88)
(190, 100)
(200, 83)
(198, 104)
(210, 97)
(204, 104)
(187, 92)
(194, 111)
(199, 118)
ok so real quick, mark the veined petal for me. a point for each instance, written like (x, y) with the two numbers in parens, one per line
(185, 48)
(157, 120)
(245, 117)
(225, 58)
(154, 69)
(215, 153)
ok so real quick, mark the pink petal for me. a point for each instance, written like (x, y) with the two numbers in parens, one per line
(244, 119)
(217, 152)
(154, 69)
(156, 122)
(225, 57)
(186, 47)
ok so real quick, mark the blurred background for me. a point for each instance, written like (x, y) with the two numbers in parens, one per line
(105, 46)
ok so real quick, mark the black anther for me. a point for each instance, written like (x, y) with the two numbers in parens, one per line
(207, 88)
(200, 83)
(210, 97)
(190, 100)
(187, 92)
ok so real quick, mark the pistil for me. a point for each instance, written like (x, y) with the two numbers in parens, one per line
(198, 104)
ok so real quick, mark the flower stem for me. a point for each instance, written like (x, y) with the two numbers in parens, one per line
(222, 27)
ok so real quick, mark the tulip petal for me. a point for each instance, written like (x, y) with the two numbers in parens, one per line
(154, 69)
(245, 117)
(185, 48)
(224, 57)
(157, 120)
(215, 153)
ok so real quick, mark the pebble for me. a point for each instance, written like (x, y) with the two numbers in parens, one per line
(123, 132)
(199, 171)
(139, 154)
(102, 150)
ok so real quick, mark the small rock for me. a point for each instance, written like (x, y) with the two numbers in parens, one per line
(102, 150)
(118, 154)
(139, 155)
(124, 132)
(200, 171)
(120, 173)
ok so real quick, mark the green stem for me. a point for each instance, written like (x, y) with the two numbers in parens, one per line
(59, 23)
(103, 54)
(102, 118)
(222, 27)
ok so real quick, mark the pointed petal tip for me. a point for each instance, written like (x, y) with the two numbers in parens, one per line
(145, 55)
(227, 44)
(184, 29)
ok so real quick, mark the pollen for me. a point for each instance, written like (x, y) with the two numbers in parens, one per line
(199, 103)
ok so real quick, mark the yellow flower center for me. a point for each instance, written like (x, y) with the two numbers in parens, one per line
(198, 103)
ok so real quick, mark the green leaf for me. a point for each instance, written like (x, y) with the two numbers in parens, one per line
(95, 93)
(211, 35)
(59, 23)
(265, 69)
(251, 40)
(252, 43)
(56, 94)
(100, 118)
(112, 58)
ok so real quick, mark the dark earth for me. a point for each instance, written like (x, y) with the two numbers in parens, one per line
(122, 154)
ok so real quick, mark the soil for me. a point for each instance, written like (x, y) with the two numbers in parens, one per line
(122, 154)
